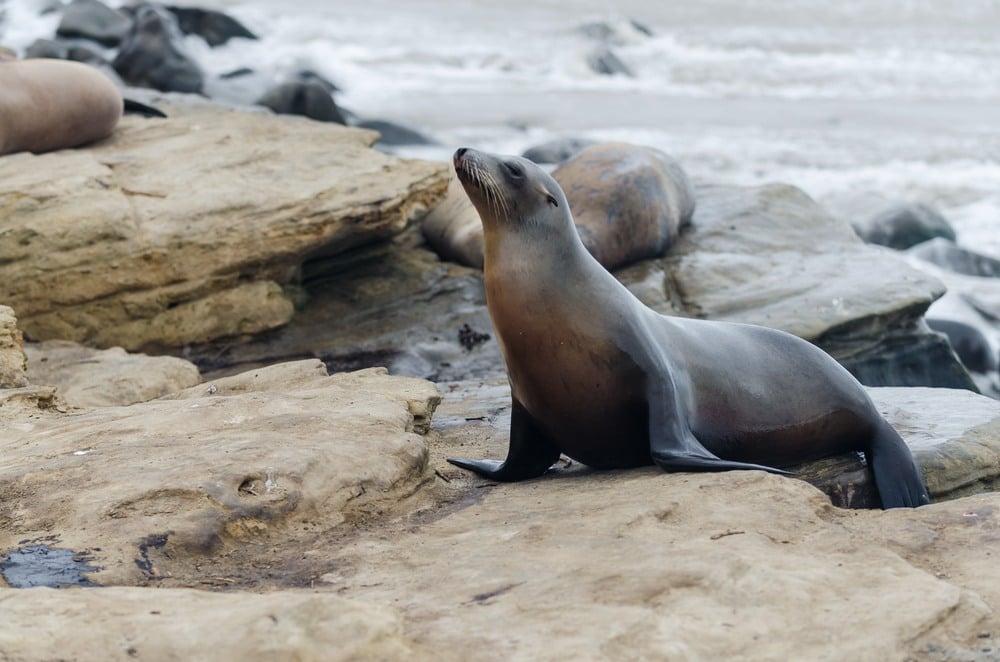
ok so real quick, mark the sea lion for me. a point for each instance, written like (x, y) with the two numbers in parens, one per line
(598, 376)
(53, 104)
(629, 202)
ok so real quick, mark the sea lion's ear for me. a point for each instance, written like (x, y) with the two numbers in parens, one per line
(552, 200)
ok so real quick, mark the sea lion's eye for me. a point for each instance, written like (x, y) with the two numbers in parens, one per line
(552, 200)
(515, 170)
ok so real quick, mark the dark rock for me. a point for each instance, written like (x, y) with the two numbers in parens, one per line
(92, 19)
(908, 356)
(309, 98)
(903, 225)
(615, 33)
(310, 76)
(947, 255)
(47, 48)
(396, 134)
(214, 27)
(152, 55)
(237, 73)
(603, 60)
(641, 28)
(969, 343)
(75, 50)
(556, 151)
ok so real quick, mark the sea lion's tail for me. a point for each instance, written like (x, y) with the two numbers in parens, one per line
(896, 474)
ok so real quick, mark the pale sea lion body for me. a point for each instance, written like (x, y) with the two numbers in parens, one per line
(53, 104)
(628, 202)
(597, 375)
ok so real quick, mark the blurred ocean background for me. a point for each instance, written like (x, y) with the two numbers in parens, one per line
(896, 97)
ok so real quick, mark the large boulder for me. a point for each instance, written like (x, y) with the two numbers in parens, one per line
(153, 489)
(771, 256)
(903, 225)
(183, 230)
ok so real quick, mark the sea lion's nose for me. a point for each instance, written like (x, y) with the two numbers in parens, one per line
(461, 152)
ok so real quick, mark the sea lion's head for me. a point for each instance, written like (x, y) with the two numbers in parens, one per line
(510, 191)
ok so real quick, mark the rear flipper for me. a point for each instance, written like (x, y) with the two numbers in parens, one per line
(704, 460)
(897, 477)
(672, 445)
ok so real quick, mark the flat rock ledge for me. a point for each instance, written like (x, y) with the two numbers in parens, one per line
(140, 488)
(194, 227)
(184, 624)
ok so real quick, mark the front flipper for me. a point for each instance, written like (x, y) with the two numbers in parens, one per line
(672, 445)
(531, 451)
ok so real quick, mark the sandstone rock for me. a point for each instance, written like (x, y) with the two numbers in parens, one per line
(185, 624)
(772, 256)
(153, 488)
(400, 306)
(103, 378)
(13, 363)
(954, 435)
(191, 228)
(642, 564)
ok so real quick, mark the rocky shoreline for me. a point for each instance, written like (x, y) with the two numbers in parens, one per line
(268, 479)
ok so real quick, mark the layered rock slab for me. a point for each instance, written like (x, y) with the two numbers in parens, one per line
(142, 487)
(190, 228)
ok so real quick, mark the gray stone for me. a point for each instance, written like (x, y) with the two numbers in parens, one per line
(94, 20)
(903, 225)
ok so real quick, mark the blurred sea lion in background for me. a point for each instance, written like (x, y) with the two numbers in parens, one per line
(54, 104)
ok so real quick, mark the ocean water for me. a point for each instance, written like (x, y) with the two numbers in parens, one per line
(895, 97)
